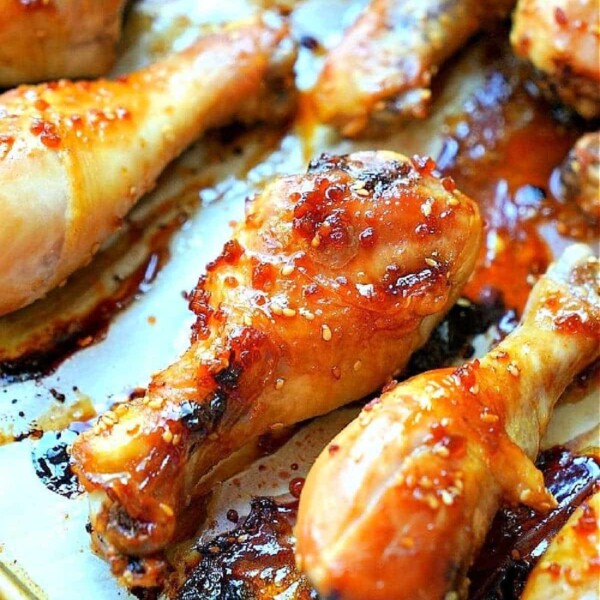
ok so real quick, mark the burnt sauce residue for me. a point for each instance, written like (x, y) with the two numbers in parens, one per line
(519, 536)
(453, 337)
(255, 561)
(50, 458)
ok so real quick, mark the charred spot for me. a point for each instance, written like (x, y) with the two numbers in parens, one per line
(328, 162)
(127, 526)
(135, 565)
(383, 175)
(229, 377)
(454, 335)
(202, 418)
(255, 561)
(519, 535)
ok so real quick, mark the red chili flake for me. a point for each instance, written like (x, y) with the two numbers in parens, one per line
(336, 372)
(367, 237)
(424, 165)
(560, 17)
(333, 449)
(41, 104)
(448, 184)
(47, 133)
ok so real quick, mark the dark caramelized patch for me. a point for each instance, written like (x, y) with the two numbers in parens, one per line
(51, 462)
(253, 562)
(453, 337)
(519, 536)
(502, 151)
(202, 418)
(256, 560)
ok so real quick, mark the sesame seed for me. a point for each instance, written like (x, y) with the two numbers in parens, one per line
(315, 241)
(463, 302)
(307, 314)
(289, 312)
(287, 270)
(276, 309)
(166, 509)
(432, 502)
(431, 262)
(442, 451)
(474, 389)
(155, 403)
(176, 439)
(167, 436)
(487, 417)
(425, 482)
(452, 202)
(447, 497)
(513, 369)
(362, 192)
(279, 383)
(357, 365)
(326, 333)
(358, 185)
(407, 542)
(247, 321)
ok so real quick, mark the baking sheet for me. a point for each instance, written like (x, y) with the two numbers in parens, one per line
(43, 540)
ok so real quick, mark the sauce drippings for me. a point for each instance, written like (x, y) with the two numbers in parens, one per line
(502, 152)
(51, 463)
(254, 561)
(519, 536)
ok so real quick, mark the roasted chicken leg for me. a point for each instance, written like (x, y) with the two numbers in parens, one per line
(568, 570)
(74, 157)
(579, 180)
(398, 504)
(334, 279)
(48, 39)
(381, 71)
(561, 39)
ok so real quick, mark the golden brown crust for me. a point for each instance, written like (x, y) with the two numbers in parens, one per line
(420, 474)
(48, 39)
(569, 568)
(561, 38)
(381, 71)
(335, 278)
(75, 156)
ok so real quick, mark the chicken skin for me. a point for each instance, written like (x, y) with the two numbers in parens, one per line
(562, 40)
(334, 279)
(75, 156)
(48, 39)
(580, 176)
(568, 570)
(381, 71)
(400, 501)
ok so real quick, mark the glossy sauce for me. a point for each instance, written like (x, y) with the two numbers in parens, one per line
(502, 152)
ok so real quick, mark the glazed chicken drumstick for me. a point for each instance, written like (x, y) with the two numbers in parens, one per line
(48, 39)
(561, 40)
(381, 71)
(334, 279)
(568, 570)
(401, 500)
(74, 157)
